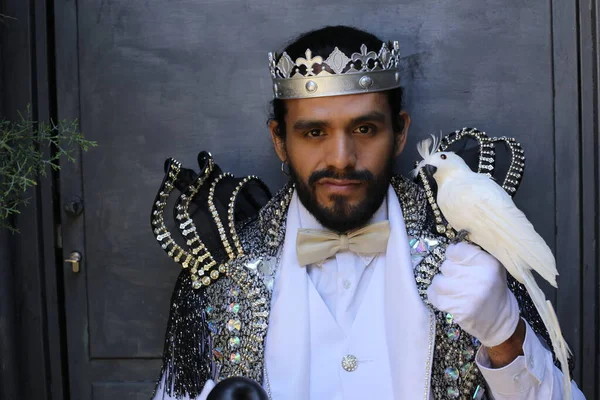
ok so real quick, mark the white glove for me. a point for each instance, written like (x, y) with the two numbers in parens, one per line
(472, 287)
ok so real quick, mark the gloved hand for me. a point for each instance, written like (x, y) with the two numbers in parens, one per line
(472, 287)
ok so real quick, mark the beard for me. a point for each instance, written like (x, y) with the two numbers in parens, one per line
(341, 216)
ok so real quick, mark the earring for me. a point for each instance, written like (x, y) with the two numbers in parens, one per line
(286, 173)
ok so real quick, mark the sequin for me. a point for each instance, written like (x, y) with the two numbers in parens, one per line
(476, 342)
(478, 394)
(234, 292)
(234, 325)
(196, 284)
(234, 342)
(415, 258)
(413, 242)
(431, 243)
(468, 353)
(449, 318)
(419, 246)
(209, 309)
(452, 392)
(235, 358)
(233, 307)
(464, 370)
(451, 373)
(269, 283)
(253, 265)
(218, 353)
(453, 333)
(266, 266)
(212, 327)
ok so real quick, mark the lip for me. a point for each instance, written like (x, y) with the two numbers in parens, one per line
(339, 186)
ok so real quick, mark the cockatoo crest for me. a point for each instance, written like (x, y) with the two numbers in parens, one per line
(426, 149)
(444, 162)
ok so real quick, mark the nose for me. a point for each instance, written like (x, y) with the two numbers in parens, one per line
(430, 170)
(341, 152)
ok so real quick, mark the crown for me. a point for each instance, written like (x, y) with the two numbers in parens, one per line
(338, 74)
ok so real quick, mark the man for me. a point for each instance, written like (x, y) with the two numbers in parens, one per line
(327, 293)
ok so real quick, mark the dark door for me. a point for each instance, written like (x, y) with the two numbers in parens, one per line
(153, 79)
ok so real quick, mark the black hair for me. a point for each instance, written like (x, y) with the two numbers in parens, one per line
(324, 41)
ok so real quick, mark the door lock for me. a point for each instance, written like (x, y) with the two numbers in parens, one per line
(74, 207)
(74, 259)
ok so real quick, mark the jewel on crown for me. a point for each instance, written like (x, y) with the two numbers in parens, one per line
(337, 63)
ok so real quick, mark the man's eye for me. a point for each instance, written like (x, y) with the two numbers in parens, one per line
(365, 130)
(314, 133)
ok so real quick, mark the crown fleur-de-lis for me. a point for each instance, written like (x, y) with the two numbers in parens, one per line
(364, 57)
(308, 61)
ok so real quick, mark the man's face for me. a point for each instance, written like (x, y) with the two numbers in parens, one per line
(340, 151)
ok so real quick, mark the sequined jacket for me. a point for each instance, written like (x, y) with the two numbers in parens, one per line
(218, 330)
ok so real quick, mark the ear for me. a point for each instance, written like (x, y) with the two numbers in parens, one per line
(404, 120)
(278, 141)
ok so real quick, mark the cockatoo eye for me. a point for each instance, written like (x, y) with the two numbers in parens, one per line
(443, 156)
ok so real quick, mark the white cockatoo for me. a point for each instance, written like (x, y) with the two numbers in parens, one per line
(475, 204)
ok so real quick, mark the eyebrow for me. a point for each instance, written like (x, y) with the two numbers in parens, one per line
(305, 124)
(373, 116)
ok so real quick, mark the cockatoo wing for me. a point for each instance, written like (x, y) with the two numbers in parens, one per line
(477, 204)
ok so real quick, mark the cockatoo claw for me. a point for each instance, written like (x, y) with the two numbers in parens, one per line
(461, 236)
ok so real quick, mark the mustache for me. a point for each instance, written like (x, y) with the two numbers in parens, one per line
(352, 175)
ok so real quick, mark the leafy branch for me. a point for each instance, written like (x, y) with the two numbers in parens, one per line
(23, 160)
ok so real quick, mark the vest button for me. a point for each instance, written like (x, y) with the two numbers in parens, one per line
(349, 362)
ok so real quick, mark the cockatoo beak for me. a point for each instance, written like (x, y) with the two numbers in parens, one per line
(430, 170)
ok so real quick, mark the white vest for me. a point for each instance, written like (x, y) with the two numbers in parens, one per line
(391, 336)
(365, 340)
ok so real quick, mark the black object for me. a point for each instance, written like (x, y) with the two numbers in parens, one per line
(74, 207)
(237, 388)
(253, 195)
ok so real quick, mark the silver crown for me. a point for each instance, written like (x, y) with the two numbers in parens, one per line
(338, 74)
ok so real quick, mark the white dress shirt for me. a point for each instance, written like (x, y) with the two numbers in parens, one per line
(342, 280)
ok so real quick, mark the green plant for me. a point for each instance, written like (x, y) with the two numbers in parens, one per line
(23, 159)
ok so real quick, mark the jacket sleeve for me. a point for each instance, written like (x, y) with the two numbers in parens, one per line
(187, 351)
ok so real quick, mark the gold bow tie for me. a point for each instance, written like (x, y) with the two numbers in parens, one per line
(314, 246)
